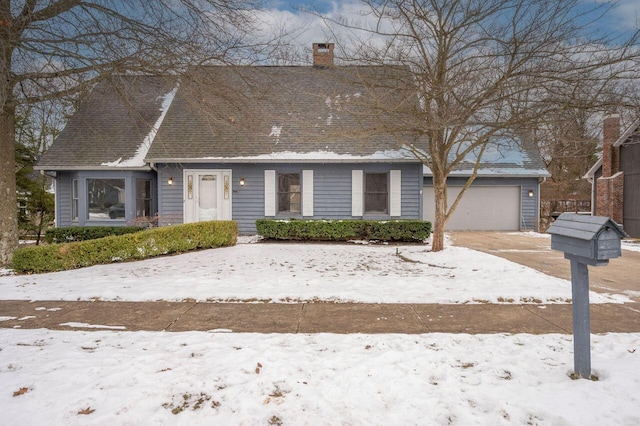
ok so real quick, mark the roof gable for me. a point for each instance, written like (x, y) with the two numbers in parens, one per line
(113, 126)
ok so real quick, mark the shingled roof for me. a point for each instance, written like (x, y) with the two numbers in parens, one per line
(113, 127)
(502, 157)
(225, 113)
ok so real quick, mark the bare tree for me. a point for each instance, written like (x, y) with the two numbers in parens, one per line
(484, 70)
(54, 48)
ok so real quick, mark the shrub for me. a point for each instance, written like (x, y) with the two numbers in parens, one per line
(83, 233)
(343, 230)
(138, 245)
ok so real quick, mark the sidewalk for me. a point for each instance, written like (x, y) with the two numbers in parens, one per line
(312, 317)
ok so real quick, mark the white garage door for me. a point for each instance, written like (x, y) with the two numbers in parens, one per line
(482, 208)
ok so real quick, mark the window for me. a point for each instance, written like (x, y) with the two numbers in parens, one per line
(106, 198)
(143, 197)
(376, 193)
(74, 200)
(289, 196)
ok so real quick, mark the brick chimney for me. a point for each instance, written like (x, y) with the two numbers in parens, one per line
(322, 54)
(610, 186)
(610, 154)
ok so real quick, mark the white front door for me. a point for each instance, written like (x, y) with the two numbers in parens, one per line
(207, 195)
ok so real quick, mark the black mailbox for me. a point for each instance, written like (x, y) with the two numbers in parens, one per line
(596, 239)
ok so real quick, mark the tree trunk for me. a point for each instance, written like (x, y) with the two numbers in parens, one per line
(9, 203)
(440, 195)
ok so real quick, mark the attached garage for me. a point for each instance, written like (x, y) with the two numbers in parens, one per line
(482, 208)
(504, 196)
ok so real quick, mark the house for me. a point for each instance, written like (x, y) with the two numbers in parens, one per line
(252, 142)
(615, 177)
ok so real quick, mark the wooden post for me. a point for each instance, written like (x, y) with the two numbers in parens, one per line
(581, 319)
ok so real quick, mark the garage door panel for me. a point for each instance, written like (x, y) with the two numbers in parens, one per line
(482, 208)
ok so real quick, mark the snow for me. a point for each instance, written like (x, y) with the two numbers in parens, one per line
(104, 375)
(138, 159)
(501, 157)
(114, 377)
(275, 133)
(278, 272)
(385, 155)
(631, 245)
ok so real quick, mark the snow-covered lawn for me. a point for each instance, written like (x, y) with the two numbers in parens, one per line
(114, 377)
(280, 272)
(196, 378)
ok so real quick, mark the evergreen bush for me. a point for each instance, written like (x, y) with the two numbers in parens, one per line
(343, 230)
(131, 246)
(83, 233)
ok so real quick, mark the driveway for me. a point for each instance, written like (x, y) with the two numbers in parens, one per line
(621, 276)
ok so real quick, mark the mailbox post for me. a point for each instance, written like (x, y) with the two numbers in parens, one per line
(585, 240)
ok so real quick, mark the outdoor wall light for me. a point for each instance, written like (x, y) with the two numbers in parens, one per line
(241, 181)
(170, 181)
(531, 193)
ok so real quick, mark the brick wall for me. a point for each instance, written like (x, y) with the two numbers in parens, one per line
(610, 154)
(610, 197)
(611, 185)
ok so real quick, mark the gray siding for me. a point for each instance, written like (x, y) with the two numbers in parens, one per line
(170, 197)
(529, 206)
(64, 192)
(63, 199)
(331, 190)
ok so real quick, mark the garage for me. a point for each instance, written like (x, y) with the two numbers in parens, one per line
(482, 208)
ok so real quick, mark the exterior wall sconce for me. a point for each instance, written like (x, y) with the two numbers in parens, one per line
(170, 181)
(242, 181)
(531, 193)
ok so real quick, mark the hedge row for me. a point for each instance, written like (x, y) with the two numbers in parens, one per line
(83, 233)
(139, 245)
(343, 230)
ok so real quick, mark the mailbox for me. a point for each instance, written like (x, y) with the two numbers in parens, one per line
(585, 240)
(594, 239)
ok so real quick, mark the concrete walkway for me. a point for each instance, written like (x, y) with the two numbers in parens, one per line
(312, 317)
(620, 276)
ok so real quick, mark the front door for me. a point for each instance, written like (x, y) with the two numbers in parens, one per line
(207, 195)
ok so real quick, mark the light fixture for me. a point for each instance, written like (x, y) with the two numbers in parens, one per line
(241, 181)
(170, 181)
(531, 193)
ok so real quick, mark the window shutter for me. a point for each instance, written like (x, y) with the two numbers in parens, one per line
(269, 192)
(307, 193)
(357, 179)
(395, 193)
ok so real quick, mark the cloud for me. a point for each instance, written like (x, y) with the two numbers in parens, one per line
(301, 27)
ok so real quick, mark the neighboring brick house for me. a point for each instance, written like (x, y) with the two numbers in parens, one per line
(615, 177)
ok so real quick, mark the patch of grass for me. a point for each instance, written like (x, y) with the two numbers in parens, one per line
(575, 376)
(190, 401)
(507, 375)
(275, 421)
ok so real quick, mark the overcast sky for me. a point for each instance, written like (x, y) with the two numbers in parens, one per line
(307, 28)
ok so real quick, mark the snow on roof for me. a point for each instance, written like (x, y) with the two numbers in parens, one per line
(138, 160)
(502, 157)
(402, 154)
